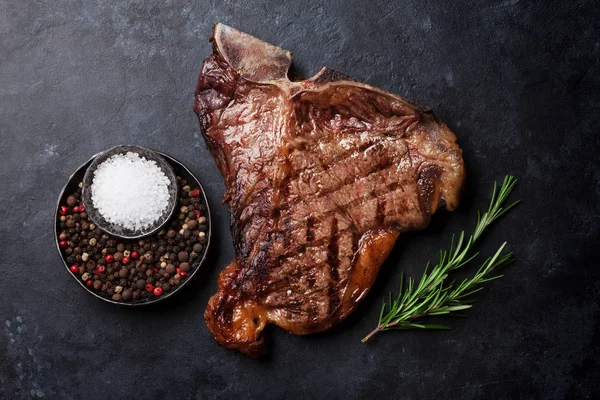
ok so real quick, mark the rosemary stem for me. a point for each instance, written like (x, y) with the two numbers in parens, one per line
(372, 333)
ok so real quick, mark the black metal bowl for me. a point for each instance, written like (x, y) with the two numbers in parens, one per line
(117, 230)
(180, 170)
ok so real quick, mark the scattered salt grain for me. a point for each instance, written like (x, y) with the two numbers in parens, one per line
(130, 191)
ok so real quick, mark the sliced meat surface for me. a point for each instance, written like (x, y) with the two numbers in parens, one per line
(322, 175)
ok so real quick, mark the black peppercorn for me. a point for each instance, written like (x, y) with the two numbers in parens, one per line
(183, 256)
(127, 294)
(192, 224)
(71, 201)
(184, 266)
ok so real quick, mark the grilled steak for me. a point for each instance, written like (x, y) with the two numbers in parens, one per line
(322, 175)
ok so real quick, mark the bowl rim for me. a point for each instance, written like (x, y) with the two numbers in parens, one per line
(129, 147)
(164, 297)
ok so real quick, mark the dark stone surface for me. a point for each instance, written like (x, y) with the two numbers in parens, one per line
(517, 81)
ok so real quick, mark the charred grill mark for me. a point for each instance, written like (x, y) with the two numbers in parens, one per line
(312, 313)
(263, 263)
(237, 233)
(356, 236)
(311, 280)
(333, 261)
(284, 189)
(333, 249)
(380, 211)
(287, 223)
(310, 234)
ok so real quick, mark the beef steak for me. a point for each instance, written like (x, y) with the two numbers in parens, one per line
(322, 175)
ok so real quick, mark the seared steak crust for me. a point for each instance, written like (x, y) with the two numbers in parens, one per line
(322, 175)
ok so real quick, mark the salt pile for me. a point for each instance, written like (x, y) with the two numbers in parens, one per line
(130, 191)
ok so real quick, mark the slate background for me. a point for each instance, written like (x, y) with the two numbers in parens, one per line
(518, 83)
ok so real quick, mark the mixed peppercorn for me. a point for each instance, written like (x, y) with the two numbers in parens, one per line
(134, 270)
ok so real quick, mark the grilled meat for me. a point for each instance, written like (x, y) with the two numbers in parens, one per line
(322, 175)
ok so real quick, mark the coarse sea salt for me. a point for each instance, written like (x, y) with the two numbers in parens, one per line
(130, 191)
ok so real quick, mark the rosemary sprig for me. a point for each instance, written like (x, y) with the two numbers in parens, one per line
(432, 295)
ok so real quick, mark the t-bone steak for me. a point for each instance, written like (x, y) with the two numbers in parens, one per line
(322, 175)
